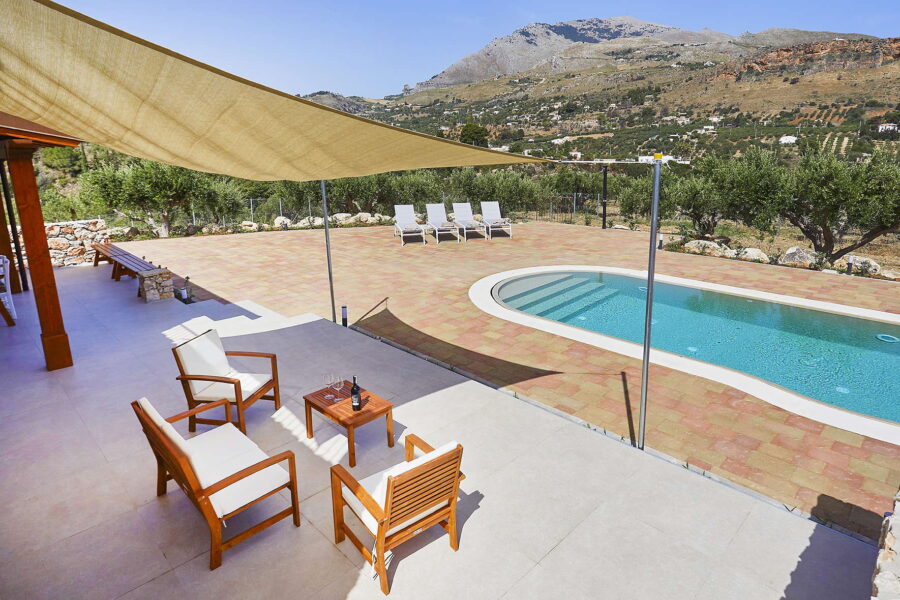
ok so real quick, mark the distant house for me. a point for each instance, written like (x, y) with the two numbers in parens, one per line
(787, 139)
(575, 154)
(715, 119)
(884, 127)
(683, 120)
(560, 141)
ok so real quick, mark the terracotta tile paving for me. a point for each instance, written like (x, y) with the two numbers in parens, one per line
(418, 296)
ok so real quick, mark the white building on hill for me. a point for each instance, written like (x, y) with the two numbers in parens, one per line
(787, 139)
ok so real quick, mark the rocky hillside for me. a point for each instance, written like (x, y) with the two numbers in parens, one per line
(591, 43)
(353, 104)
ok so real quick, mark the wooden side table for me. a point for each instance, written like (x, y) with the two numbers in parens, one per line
(340, 411)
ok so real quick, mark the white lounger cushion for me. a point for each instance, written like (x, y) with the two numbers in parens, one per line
(405, 217)
(250, 383)
(490, 212)
(376, 485)
(462, 214)
(224, 451)
(437, 216)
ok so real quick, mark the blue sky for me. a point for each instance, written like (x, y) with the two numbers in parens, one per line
(373, 48)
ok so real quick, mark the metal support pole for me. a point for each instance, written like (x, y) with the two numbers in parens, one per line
(648, 317)
(251, 209)
(328, 252)
(605, 170)
(23, 274)
(344, 315)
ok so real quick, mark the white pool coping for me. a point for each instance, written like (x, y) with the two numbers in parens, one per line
(886, 431)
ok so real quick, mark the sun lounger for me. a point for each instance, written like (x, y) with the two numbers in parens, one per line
(490, 216)
(439, 223)
(405, 223)
(463, 219)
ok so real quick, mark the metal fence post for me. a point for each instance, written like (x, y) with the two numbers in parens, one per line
(648, 316)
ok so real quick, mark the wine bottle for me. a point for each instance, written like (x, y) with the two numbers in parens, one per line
(355, 400)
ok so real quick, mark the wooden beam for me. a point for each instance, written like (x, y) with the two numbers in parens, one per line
(6, 248)
(57, 353)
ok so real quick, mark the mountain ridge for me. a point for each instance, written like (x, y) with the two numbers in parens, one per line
(538, 44)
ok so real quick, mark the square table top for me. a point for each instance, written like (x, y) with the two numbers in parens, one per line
(340, 410)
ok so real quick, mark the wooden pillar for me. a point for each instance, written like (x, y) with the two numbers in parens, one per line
(6, 249)
(57, 353)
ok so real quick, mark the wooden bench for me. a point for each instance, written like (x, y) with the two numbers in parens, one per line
(123, 262)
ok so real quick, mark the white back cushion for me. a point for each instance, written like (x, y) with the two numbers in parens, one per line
(437, 214)
(462, 211)
(405, 214)
(164, 425)
(203, 355)
(380, 493)
(490, 210)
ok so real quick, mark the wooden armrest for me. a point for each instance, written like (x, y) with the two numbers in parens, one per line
(214, 378)
(357, 490)
(272, 460)
(200, 409)
(413, 441)
(256, 354)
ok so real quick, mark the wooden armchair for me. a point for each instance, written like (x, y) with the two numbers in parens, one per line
(222, 471)
(401, 502)
(206, 377)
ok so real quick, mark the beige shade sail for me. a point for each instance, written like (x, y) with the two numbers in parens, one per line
(64, 70)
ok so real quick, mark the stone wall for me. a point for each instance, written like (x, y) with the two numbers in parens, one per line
(70, 241)
(886, 580)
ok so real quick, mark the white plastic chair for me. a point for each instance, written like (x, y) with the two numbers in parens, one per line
(490, 214)
(6, 287)
(463, 219)
(405, 223)
(439, 223)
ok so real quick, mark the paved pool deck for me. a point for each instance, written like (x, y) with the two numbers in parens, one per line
(417, 296)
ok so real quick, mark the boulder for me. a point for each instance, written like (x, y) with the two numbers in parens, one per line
(264, 227)
(282, 222)
(888, 274)
(75, 251)
(382, 219)
(340, 218)
(364, 217)
(310, 222)
(704, 247)
(752, 255)
(249, 226)
(625, 227)
(861, 265)
(798, 257)
(212, 228)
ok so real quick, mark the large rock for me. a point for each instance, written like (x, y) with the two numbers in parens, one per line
(861, 265)
(752, 255)
(249, 226)
(626, 228)
(282, 222)
(310, 222)
(888, 274)
(798, 257)
(340, 218)
(212, 228)
(704, 247)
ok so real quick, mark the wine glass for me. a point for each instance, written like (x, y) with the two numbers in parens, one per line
(338, 383)
(329, 382)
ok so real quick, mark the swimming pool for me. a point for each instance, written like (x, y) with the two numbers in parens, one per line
(839, 360)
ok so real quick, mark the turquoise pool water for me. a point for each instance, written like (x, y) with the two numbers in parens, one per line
(845, 361)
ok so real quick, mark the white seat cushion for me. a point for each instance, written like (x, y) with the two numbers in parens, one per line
(164, 425)
(376, 485)
(250, 384)
(223, 451)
